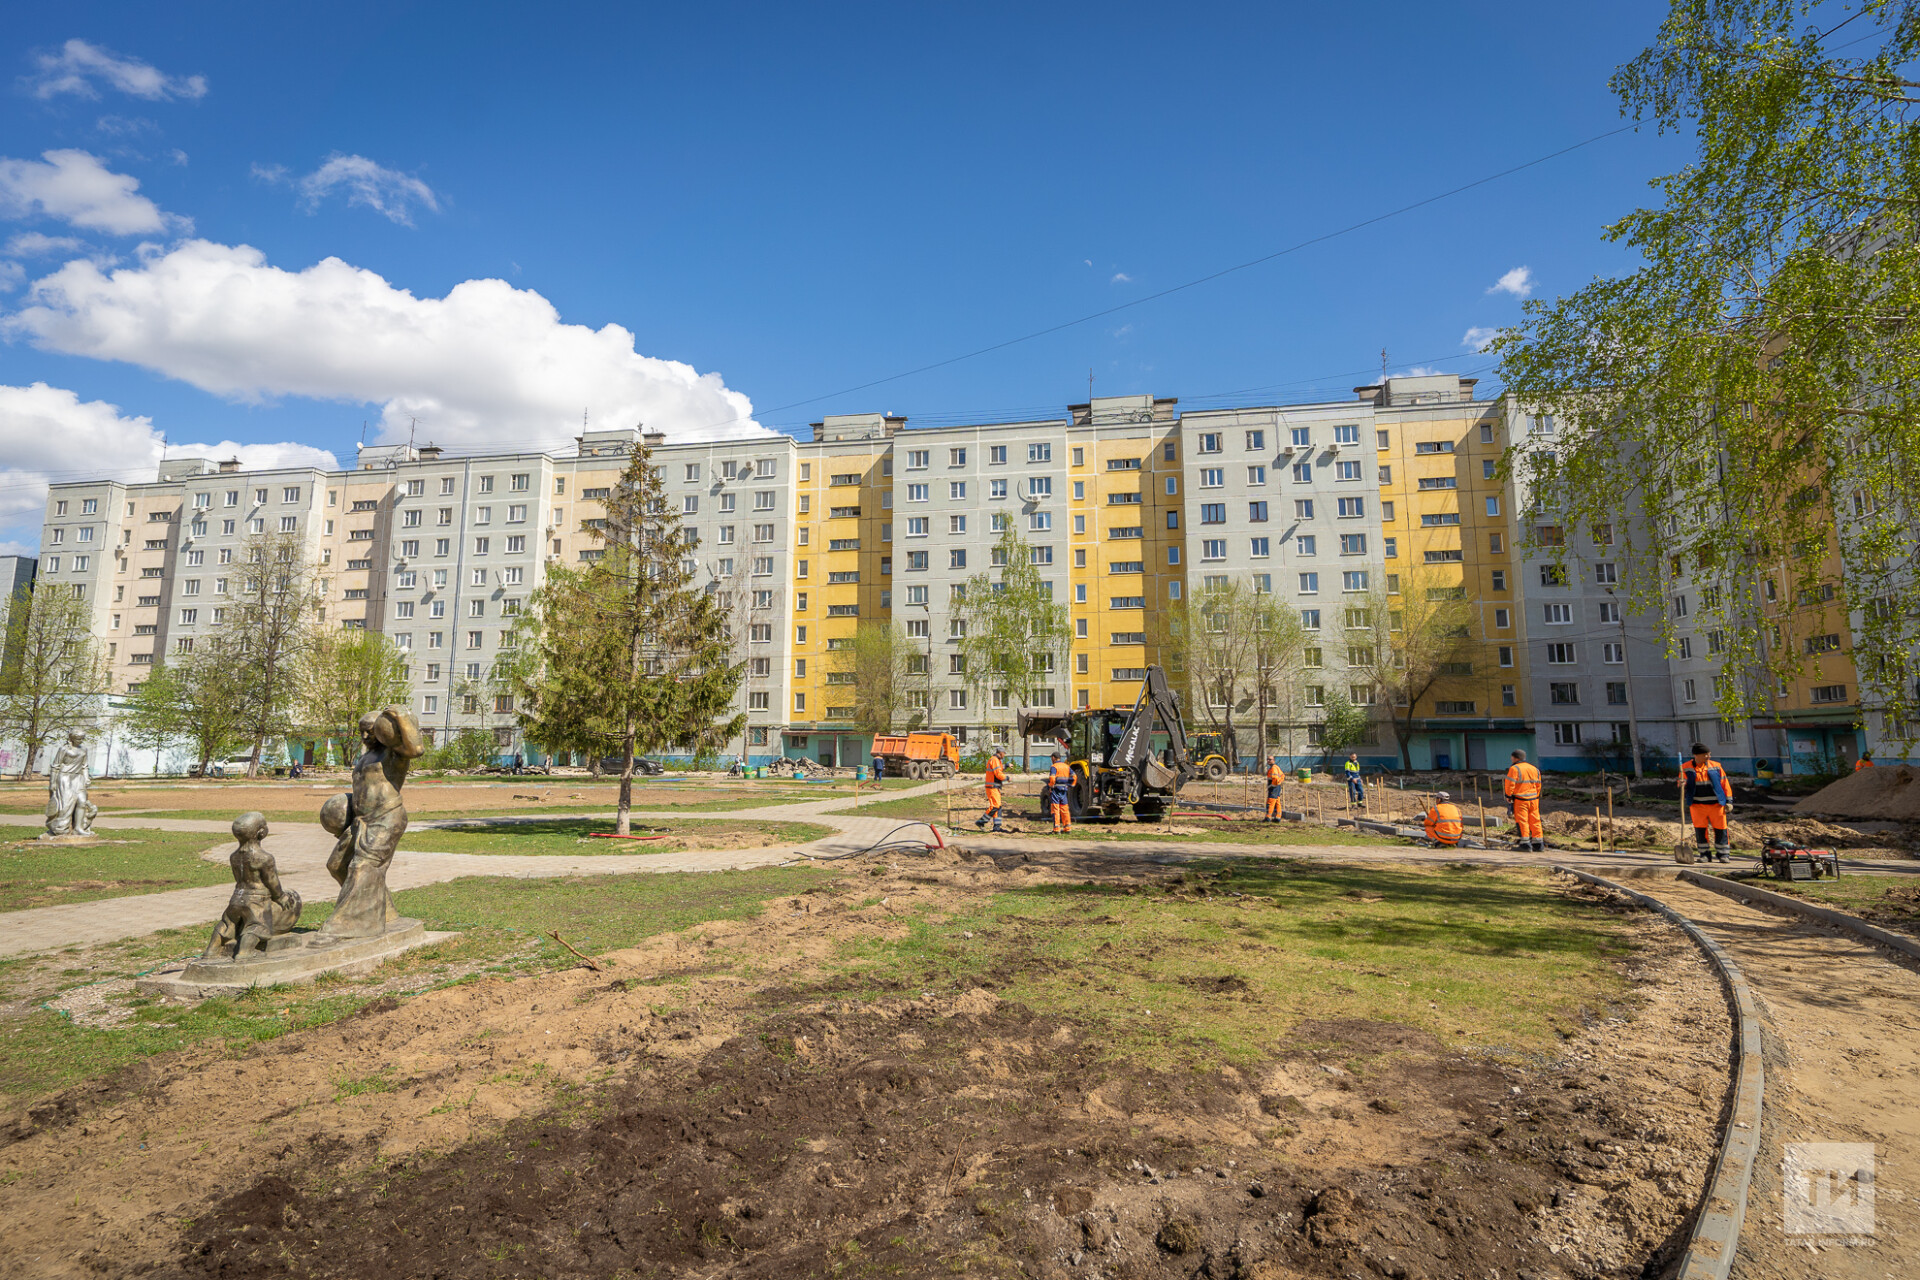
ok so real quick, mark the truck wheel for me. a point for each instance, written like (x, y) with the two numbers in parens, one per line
(1216, 770)
(916, 770)
(1149, 809)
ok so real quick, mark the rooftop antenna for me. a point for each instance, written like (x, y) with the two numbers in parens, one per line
(1383, 364)
(411, 424)
(1089, 384)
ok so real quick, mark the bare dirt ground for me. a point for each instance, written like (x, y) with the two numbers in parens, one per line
(1843, 1065)
(667, 1118)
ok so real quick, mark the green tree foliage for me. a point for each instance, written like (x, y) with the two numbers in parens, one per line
(1756, 380)
(343, 674)
(1403, 646)
(154, 712)
(1015, 634)
(1344, 725)
(877, 665)
(624, 655)
(461, 752)
(56, 672)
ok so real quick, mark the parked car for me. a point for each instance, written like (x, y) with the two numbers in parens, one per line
(642, 766)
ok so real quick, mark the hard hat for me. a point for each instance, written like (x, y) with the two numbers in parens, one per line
(1059, 755)
(1441, 795)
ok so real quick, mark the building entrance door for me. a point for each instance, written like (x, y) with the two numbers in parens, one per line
(1476, 753)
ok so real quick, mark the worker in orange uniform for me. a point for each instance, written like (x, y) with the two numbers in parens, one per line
(1059, 782)
(1523, 800)
(1445, 823)
(996, 778)
(1864, 762)
(1709, 800)
(1274, 779)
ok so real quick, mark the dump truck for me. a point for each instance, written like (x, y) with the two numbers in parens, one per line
(1134, 756)
(918, 755)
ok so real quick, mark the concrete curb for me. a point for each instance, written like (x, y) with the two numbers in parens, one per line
(1716, 1230)
(1826, 915)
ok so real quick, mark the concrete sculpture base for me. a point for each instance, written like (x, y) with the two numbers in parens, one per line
(289, 958)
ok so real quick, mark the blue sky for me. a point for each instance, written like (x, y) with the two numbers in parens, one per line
(771, 203)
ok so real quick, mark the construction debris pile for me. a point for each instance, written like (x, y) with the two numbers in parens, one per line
(1890, 793)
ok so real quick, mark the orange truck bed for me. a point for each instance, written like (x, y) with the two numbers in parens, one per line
(918, 754)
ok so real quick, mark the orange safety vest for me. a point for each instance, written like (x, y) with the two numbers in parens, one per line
(1445, 820)
(996, 772)
(1062, 774)
(1523, 782)
(1710, 775)
(1274, 776)
(1862, 763)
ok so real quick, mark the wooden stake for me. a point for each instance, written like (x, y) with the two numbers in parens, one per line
(1597, 846)
(1610, 812)
(587, 960)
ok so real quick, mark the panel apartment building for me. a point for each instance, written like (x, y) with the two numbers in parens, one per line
(1127, 505)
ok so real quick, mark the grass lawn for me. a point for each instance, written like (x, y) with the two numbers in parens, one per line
(1024, 811)
(574, 836)
(1224, 966)
(503, 923)
(138, 861)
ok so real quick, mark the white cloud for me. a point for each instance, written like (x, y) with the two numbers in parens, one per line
(76, 188)
(1121, 277)
(32, 244)
(1518, 282)
(79, 65)
(11, 274)
(487, 364)
(387, 192)
(1420, 371)
(1477, 338)
(49, 434)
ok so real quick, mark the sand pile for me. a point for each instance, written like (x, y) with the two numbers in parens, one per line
(1890, 792)
(1645, 833)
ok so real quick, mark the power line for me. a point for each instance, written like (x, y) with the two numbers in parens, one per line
(1195, 283)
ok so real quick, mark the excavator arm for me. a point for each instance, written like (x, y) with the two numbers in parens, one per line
(1134, 749)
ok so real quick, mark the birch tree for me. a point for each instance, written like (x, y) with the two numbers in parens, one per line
(57, 672)
(1754, 384)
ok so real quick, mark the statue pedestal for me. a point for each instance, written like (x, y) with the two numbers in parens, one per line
(71, 839)
(288, 958)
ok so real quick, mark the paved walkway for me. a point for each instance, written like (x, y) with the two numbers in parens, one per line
(301, 850)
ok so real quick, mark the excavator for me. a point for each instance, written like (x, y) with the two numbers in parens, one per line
(1120, 757)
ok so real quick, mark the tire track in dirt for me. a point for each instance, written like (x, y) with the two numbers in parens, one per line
(1843, 1065)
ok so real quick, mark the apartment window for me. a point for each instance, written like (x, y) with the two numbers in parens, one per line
(957, 558)
(1352, 508)
(1566, 735)
(1828, 693)
(1613, 652)
(1303, 472)
(1259, 548)
(1213, 549)
(474, 639)
(1680, 606)
(1309, 584)
(226, 528)
(1560, 655)
(1039, 453)
(1306, 544)
(1173, 555)
(1213, 477)
(1438, 482)
(956, 489)
(1173, 485)
(1040, 521)
(1558, 614)
(1210, 442)
(1347, 433)
(1300, 437)
(1553, 575)
(1563, 693)
(1346, 471)
(1353, 544)
(917, 492)
(1213, 513)
(1506, 660)
(1310, 619)
(1257, 512)
(1386, 475)
(1127, 602)
(289, 524)
(1256, 475)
